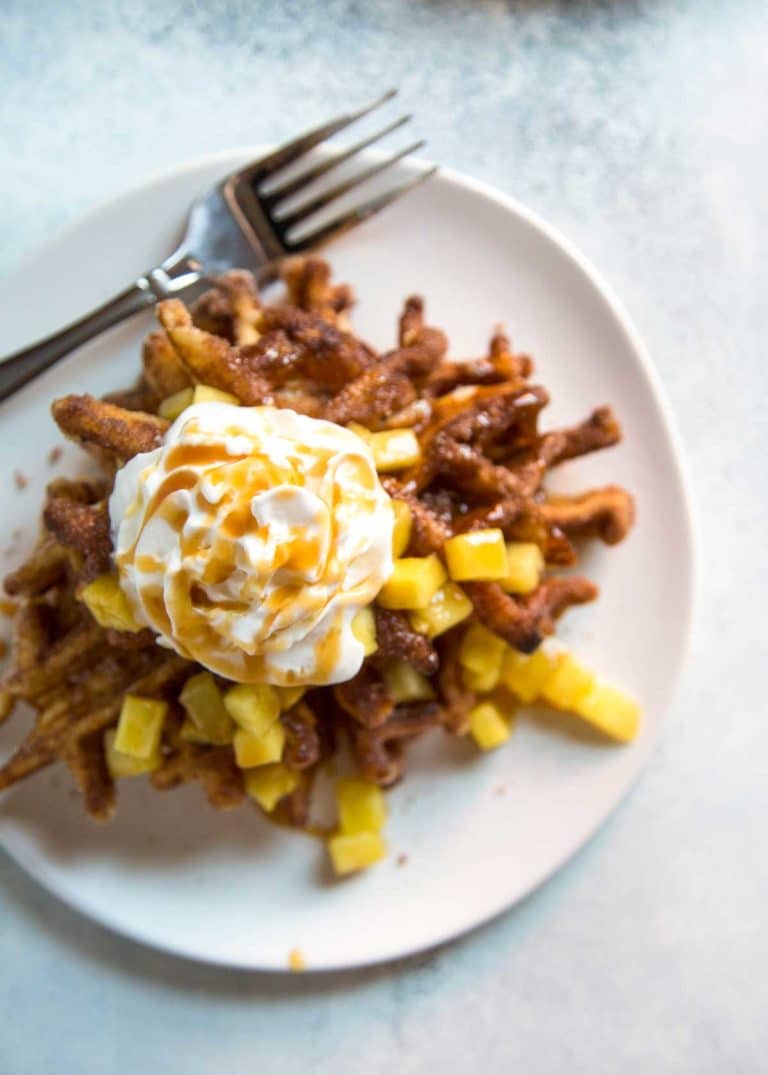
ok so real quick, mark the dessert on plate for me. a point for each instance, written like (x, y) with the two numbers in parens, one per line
(298, 549)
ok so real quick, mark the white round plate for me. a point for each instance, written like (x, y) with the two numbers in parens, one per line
(470, 834)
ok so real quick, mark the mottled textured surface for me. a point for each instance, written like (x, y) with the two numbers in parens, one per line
(640, 129)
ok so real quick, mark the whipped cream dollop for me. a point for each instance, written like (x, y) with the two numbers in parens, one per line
(250, 539)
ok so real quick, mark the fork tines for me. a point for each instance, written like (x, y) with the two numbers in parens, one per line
(262, 199)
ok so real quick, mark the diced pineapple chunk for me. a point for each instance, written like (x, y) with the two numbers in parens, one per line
(205, 393)
(394, 449)
(254, 707)
(253, 750)
(361, 806)
(569, 683)
(526, 675)
(364, 629)
(140, 726)
(525, 565)
(405, 684)
(481, 654)
(488, 725)
(356, 851)
(358, 430)
(190, 733)
(479, 554)
(205, 707)
(612, 711)
(289, 696)
(413, 582)
(108, 604)
(269, 784)
(120, 764)
(449, 606)
(401, 534)
(172, 406)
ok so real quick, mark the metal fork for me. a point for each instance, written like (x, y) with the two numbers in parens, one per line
(243, 222)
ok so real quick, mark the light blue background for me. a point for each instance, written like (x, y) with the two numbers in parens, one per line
(641, 130)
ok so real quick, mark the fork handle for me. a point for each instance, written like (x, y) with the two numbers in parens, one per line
(23, 366)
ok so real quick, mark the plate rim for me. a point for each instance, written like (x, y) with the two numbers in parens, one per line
(688, 519)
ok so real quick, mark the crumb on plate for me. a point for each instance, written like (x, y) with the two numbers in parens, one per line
(296, 960)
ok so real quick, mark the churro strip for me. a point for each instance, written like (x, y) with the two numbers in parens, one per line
(366, 697)
(383, 388)
(606, 513)
(429, 532)
(7, 705)
(500, 366)
(412, 329)
(324, 354)
(396, 638)
(139, 398)
(210, 359)
(31, 634)
(103, 425)
(86, 761)
(34, 753)
(213, 767)
(164, 371)
(302, 743)
(456, 699)
(43, 569)
(379, 751)
(242, 297)
(309, 286)
(83, 527)
(66, 656)
(600, 430)
(523, 621)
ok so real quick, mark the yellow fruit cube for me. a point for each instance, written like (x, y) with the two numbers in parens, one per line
(525, 566)
(120, 764)
(205, 707)
(190, 733)
(401, 534)
(481, 654)
(205, 393)
(480, 554)
(253, 750)
(254, 707)
(405, 684)
(357, 851)
(269, 784)
(413, 582)
(488, 725)
(527, 675)
(289, 696)
(568, 684)
(394, 449)
(172, 406)
(449, 606)
(360, 805)
(140, 726)
(612, 711)
(364, 629)
(108, 604)
(359, 430)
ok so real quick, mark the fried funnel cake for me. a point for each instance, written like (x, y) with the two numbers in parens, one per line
(479, 467)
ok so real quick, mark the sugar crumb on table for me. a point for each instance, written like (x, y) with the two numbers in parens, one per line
(296, 960)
